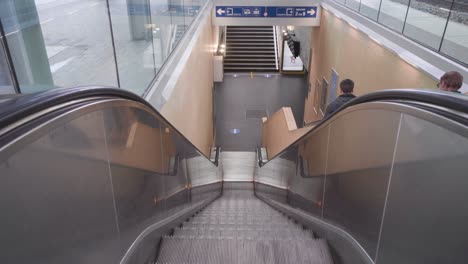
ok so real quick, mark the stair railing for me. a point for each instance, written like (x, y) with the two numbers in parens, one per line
(275, 38)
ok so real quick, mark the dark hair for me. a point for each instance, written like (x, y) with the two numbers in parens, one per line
(347, 86)
(452, 79)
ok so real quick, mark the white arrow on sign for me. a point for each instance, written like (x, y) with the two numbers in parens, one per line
(220, 11)
(311, 12)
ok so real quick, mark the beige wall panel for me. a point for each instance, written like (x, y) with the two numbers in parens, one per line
(279, 131)
(309, 114)
(337, 45)
(190, 107)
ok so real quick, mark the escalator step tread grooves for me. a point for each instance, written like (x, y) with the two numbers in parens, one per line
(240, 228)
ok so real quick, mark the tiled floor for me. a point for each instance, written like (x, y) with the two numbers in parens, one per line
(238, 94)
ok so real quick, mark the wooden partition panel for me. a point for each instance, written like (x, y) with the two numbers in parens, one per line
(279, 131)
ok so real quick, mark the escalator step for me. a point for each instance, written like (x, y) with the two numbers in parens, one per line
(214, 250)
(239, 228)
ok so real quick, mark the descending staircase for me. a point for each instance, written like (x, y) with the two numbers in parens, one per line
(250, 49)
(240, 228)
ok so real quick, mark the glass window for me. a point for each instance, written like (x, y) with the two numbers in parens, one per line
(6, 84)
(170, 26)
(59, 43)
(370, 8)
(393, 13)
(133, 32)
(353, 4)
(455, 43)
(192, 8)
(426, 22)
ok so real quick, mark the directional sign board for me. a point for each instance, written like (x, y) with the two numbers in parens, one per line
(269, 11)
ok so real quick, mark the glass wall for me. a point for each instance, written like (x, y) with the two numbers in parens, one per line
(65, 43)
(6, 82)
(441, 25)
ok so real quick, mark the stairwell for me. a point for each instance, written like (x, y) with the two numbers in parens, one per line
(250, 48)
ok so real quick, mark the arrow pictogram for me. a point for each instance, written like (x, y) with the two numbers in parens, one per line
(311, 12)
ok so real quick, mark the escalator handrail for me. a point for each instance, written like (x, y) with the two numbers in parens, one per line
(448, 100)
(18, 108)
(23, 106)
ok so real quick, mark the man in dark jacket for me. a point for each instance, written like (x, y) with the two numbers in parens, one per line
(347, 87)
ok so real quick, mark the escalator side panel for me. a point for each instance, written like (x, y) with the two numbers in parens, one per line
(395, 180)
(89, 185)
(356, 185)
(57, 202)
(429, 188)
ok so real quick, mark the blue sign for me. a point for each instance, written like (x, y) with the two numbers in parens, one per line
(269, 11)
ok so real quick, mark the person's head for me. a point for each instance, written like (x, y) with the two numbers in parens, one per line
(347, 86)
(450, 81)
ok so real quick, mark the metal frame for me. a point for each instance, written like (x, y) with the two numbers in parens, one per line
(114, 50)
(10, 64)
(276, 46)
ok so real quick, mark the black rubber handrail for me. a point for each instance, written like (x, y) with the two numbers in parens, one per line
(449, 100)
(18, 108)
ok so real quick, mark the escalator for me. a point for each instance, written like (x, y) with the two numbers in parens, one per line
(240, 228)
(97, 175)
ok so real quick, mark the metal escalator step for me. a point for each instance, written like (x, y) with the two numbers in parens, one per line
(238, 228)
(199, 251)
(174, 250)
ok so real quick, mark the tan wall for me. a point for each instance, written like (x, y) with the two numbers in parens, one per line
(133, 144)
(337, 45)
(279, 131)
(190, 107)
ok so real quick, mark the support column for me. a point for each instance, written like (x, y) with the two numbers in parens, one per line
(26, 44)
(138, 17)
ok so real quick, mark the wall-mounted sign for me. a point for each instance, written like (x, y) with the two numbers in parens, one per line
(267, 11)
(333, 86)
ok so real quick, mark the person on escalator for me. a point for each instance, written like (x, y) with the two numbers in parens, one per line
(451, 81)
(347, 88)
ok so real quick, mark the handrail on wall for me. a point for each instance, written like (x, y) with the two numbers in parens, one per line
(276, 46)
